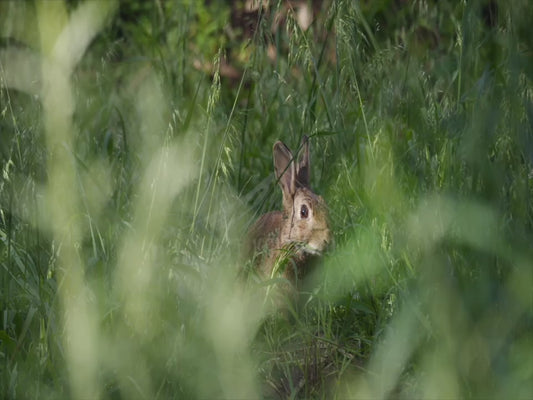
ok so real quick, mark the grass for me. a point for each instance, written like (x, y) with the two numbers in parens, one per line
(133, 163)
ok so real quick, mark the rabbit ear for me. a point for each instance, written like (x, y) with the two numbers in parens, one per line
(303, 174)
(285, 169)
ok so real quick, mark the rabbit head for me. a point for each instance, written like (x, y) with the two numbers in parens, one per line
(301, 230)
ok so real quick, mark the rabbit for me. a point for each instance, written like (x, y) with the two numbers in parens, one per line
(291, 238)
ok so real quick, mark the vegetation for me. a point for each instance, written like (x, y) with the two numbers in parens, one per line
(135, 150)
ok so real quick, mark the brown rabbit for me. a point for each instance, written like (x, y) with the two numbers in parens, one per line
(290, 238)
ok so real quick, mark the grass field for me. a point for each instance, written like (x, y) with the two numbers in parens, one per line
(136, 149)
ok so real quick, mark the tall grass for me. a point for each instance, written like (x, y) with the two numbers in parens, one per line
(132, 165)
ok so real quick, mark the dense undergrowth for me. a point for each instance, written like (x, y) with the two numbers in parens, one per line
(136, 149)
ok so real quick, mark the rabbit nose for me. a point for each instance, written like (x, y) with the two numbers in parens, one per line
(329, 243)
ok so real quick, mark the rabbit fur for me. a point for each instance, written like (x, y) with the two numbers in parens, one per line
(291, 238)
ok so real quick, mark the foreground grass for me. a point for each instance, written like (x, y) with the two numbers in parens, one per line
(130, 176)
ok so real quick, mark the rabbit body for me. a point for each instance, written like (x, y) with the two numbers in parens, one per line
(301, 231)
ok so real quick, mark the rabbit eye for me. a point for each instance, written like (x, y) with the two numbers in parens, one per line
(304, 211)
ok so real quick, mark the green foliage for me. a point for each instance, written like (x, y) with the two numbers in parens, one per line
(136, 150)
